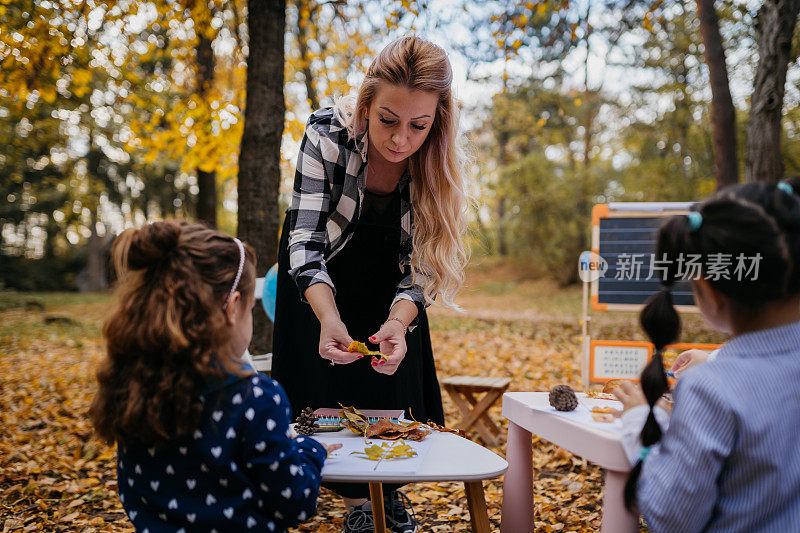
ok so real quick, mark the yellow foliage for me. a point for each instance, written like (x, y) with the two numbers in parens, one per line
(48, 94)
(80, 91)
(81, 76)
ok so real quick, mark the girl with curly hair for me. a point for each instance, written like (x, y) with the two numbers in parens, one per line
(202, 440)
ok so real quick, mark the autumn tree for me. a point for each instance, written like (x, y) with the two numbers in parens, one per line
(59, 78)
(774, 28)
(259, 157)
(723, 114)
(187, 98)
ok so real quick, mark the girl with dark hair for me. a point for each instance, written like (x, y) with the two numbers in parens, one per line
(202, 440)
(728, 458)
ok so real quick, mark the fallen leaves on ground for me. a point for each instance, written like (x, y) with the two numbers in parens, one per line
(54, 477)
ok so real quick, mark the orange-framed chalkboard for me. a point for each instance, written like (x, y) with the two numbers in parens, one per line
(625, 359)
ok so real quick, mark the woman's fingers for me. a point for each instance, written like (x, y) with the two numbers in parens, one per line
(333, 342)
(385, 368)
(339, 356)
(395, 352)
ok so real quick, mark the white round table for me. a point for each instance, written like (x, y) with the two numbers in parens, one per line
(448, 458)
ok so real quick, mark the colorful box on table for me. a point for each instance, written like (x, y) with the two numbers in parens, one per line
(329, 420)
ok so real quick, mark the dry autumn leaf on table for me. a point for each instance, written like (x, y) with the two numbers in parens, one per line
(353, 420)
(606, 410)
(444, 429)
(388, 430)
(395, 450)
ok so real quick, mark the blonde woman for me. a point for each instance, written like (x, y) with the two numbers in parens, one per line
(374, 233)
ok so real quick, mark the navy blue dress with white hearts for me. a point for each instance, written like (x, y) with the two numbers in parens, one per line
(240, 471)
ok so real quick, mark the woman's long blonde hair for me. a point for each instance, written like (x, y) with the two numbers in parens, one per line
(438, 194)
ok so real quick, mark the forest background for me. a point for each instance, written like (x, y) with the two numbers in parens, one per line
(117, 112)
(114, 113)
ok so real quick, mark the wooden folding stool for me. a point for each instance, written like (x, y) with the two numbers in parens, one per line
(462, 389)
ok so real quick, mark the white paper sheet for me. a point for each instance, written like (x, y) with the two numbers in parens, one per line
(582, 414)
(342, 461)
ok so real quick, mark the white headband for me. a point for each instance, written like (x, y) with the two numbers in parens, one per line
(238, 271)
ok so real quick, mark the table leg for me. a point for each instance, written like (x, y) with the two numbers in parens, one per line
(517, 508)
(478, 514)
(616, 518)
(378, 513)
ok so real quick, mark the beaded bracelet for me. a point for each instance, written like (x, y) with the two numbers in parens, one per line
(405, 328)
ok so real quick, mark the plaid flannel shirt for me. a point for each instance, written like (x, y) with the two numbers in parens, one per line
(326, 204)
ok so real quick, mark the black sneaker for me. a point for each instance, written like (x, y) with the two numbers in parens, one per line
(398, 518)
(359, 519)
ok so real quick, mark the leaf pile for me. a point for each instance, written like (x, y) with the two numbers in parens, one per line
(436, 427)
(352, 419)
(388, 430)
(55, 478)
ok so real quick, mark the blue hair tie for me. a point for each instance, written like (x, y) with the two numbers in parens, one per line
(695, 220)
(785, 187)
(644, 451)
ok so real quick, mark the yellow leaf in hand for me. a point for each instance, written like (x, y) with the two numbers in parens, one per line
(360, 347)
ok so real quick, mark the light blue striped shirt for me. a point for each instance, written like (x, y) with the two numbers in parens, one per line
(730, 459)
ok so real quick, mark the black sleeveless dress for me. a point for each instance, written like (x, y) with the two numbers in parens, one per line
(365, 273)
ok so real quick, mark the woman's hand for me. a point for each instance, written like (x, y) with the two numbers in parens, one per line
(333, 342)
(392, 340)
(687, 359)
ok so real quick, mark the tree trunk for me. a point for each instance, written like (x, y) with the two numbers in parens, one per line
(207, 197)
(302, 46)
(96, 268)
(502, 248)
(723, 114)
(259, 157)
(206, 181)
(774, 28)
(95, 264)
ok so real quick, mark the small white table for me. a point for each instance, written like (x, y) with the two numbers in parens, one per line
(449, 458)
(591, 442)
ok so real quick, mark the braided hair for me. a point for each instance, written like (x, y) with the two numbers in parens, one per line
(750, 220)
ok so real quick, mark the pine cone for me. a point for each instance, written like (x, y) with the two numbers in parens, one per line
(305, 430)
(563, 398)
(306, 422)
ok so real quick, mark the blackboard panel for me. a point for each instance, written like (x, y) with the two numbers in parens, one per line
(636, 237)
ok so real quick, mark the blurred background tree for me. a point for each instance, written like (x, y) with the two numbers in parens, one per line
(117, 112)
